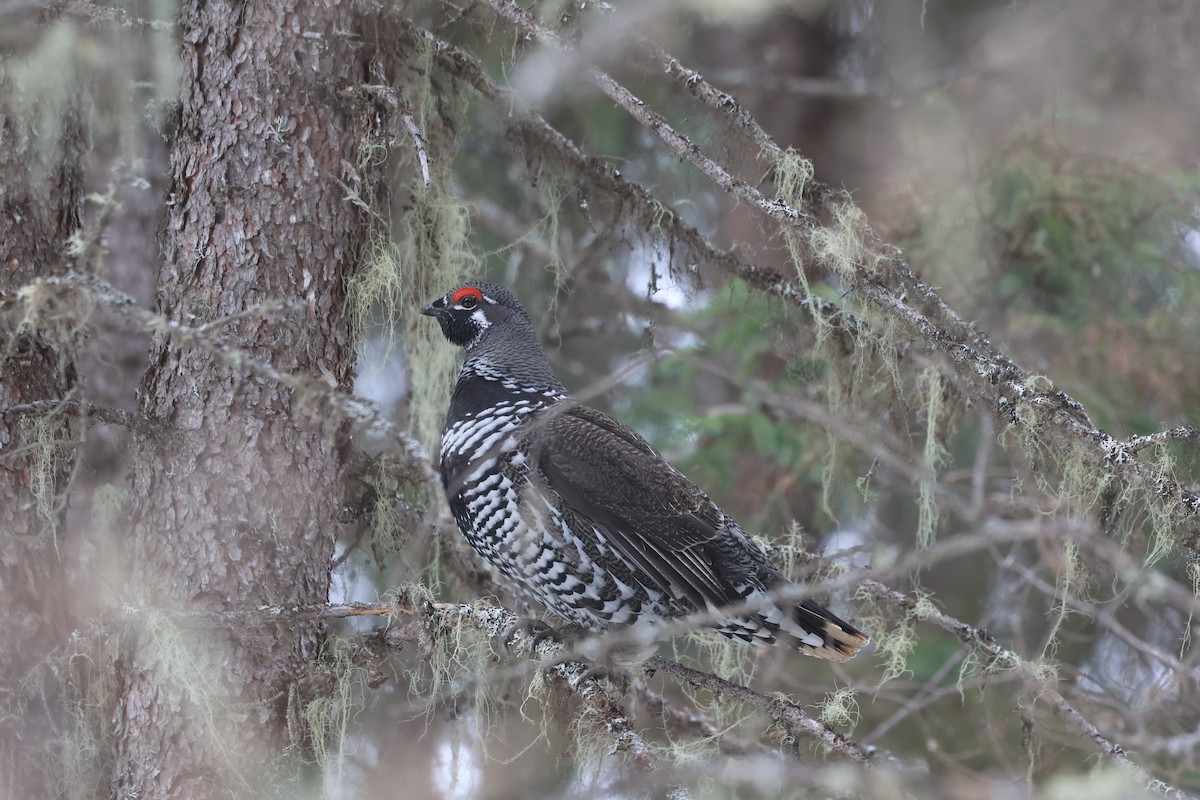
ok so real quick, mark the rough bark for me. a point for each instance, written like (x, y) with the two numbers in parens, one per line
(234, 507)
(41, 190)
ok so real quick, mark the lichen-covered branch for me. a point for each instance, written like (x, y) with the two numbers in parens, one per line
(1003, 658)
(793, 718)
(631, 196)
(320, 397)
(80, 409)
(981, 370)
(495, 621)
(604, 709)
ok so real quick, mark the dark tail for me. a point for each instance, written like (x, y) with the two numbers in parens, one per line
(839, 640)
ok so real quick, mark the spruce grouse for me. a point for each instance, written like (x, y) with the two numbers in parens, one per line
(581, 512)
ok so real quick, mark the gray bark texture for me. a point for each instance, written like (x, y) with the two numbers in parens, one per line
(235, 507)
(41, 191)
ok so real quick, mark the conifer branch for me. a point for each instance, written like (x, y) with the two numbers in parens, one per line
(982, 371)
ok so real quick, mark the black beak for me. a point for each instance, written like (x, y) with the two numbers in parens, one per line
(430, 310)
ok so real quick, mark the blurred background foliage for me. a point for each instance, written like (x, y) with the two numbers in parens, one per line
(1035, 161)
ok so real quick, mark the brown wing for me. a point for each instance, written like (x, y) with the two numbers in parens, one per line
(649, 512)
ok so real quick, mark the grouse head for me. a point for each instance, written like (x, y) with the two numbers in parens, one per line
(501, 344)
(468, 311)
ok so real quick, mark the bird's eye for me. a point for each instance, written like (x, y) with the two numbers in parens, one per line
(469, 301)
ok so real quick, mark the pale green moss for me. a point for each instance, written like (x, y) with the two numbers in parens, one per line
(792, 174)
(840, 246)
(53, 457)
(839, 709)
(1071, 575)
(458, 659)
(178, 664)
(931, 390)
(327, 719)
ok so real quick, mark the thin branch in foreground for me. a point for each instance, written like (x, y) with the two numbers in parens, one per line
(627, 194)
(80, 409)
(95, 13)
(328, 398)
(494, 621)
(793, 718)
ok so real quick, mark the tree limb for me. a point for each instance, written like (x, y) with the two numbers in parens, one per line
(987, 374)
(982, 641)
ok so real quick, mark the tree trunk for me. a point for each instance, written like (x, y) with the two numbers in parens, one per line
(41, 177)
(234, 505)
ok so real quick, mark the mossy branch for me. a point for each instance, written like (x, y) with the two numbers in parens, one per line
(494, 621)
(983, 372)
(631, 196)
(606, 711)
(998, 656)
(81, 409)
(794, 719)
(206, 337)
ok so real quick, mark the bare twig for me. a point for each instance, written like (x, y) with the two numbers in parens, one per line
(93, 13)
(389, 96)
(418, 143)
(81, 409)
(263, 310)
(275, 615)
